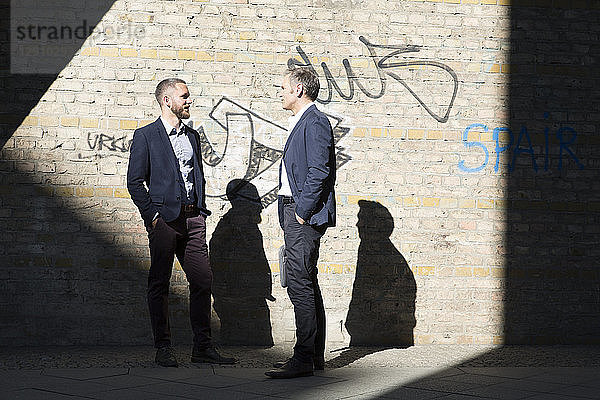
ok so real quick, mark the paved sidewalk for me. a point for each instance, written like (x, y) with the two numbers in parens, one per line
(454, 372)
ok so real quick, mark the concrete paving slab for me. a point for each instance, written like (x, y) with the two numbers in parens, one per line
(439, 373)
(130, 394)
(18, 379)
(377, 396)
(363, 396)
(315, 393)
(170, 374)
(322, 379)
(442, 385)
(271, 386)
(527, 385)
(175, 389)
(505, 372)
(569, 376)
(547, 396)
(592, 382)
(242, 373)
(385, 377)
(414, 373)
(64, 386)
(196, 392)
(580, 391)
(406, 393)
(34, 394)
(498, 392)
(224, 394)
(215, 381)
(125, 381)
(84, 373)
(258, 375)
(350, 388)
(482, 380)
(462, 397)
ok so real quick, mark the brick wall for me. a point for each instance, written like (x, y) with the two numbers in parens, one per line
(466, 169)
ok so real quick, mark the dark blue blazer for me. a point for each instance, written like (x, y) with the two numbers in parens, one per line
(309, 157)
(152, 161)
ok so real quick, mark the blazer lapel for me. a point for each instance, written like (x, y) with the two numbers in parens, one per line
(297, 127)
(166, 143)
(195, 147)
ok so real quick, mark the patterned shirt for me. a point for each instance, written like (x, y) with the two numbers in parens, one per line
(185, 156)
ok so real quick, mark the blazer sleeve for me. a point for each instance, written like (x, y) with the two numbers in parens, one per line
(202, 189)
(319, 144)
(138, 172)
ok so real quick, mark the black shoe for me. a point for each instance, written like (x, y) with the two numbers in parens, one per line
(318, 363)
(210, 355)
(165, 356)
(292, 369)
(281, 364)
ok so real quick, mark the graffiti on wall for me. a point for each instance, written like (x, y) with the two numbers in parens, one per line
(232, 150)
(387, 67)
(564, 137)
(101, 141)
(241, 155)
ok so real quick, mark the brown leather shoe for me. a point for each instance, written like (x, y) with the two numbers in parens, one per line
(318, 363)
(292, 369)
(210, 355)
(280, 364)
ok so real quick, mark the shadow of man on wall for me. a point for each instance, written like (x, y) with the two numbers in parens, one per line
(382, 308)
(241, 273)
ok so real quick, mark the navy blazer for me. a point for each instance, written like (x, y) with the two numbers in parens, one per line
(309, 157)
(153, 164)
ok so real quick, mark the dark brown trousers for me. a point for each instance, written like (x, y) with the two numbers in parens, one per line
(185, 237)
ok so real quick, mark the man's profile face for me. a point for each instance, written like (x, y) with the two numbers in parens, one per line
(287, 94)
(179, 101)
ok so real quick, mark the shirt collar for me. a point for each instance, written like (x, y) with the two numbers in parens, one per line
(170, 128)
(293, 120)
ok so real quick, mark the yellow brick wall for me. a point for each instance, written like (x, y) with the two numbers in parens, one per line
(420, 138)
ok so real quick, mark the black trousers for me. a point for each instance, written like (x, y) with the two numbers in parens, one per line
(184, 237)
(302, 253)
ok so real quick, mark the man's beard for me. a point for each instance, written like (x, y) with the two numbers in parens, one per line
(180, 112)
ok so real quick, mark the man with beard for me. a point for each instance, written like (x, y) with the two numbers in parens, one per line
(166, 183)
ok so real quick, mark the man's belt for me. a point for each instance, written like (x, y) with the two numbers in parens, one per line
(189, 208)
(287, 200)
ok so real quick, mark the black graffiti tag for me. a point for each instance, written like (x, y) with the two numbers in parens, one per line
(384, 66)
(261, 157)
(111, 143)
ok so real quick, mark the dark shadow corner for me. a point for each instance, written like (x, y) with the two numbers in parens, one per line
(241, 273)
(24, 79)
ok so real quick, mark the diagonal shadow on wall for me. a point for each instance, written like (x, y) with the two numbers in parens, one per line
(552, 217)
(551, 244)
(65, 280)
(552, 293)
(21, 91)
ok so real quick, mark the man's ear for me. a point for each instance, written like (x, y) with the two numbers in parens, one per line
(299, 89)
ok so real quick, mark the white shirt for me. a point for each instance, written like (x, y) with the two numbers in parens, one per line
(285, 190)
(185, 155)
